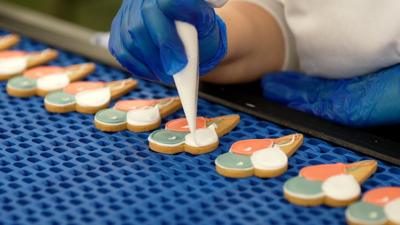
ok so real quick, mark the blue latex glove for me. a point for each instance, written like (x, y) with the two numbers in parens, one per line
(360, 102)
(145, 41)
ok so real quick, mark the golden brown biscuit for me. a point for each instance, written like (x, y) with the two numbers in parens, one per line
(87, 97)
(175, 138)
(263, 158)
(137, 115)
(335, 185)
(13, 63)
(45, 79)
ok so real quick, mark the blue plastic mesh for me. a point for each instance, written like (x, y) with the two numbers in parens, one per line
(58, 169)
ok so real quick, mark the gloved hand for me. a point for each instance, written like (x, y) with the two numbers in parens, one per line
(360, 102)
(145, 41)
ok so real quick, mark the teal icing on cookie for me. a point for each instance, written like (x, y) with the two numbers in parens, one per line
(234, 161)
(60, 98)
(167, 137)
(366, 213)
(22, 83)
(303, 188)
(111, 116)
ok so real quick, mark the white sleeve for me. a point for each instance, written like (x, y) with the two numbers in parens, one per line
(275, 8)
(345, 38)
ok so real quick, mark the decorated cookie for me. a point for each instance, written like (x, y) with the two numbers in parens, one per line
(87, 96)
(264, 158)
(335, 185)
(7, 41)
(378, 207)
(13, 63)
(45, 79)
(176, 138)
(137, 115)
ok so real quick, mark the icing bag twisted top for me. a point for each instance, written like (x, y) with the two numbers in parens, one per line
(145, 41)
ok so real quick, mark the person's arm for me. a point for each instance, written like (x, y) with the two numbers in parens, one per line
(239, 44)
(255, 44)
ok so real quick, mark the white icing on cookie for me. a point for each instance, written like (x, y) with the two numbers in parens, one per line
(144, 117)
(53, 82)
(93, 98)
(392, 211)
(341, 187)
(269, 159)
(165, 104)
(14, 65)
(202, 137)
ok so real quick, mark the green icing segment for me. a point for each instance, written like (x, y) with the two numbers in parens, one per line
(363, 212)
(301, 187)
(234, 161)
(111, 116)
(60, 98)
(167, 137)
(22, 83)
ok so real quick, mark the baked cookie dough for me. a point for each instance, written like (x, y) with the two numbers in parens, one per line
(43, 80)
(263, 158)
(7, 41)
(13, 63)
(137, 115)
(175, 138)
(335, 185)
(87, 96)
(380, 206)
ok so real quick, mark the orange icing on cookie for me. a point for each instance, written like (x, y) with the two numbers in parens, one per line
(382, 196)
(322, 172)
(77, 87)
(10, 54)
(181, 125)
(248, 147)
(129, 105)
(42, 71)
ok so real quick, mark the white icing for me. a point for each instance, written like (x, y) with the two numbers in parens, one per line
(14, 65)
(187, 80)
(269, 159)
(144, 116)
(202, 137)
(93, 98)
(392, 211)
(165, 104)
(341, 187)
(53, 82)
(287, 144)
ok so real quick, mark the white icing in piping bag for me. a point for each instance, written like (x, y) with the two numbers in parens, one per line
(187, 80)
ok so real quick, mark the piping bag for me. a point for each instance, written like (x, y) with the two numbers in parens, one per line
(187, 80)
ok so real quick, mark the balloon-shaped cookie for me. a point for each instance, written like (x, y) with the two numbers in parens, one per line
(87, 96)
(137, 115)
(175, 138)
(13, 63)
(45, 79)
(336, 185)
(263, 158)
(380, 206)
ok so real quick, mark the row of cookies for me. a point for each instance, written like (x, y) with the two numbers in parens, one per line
(63, 92)
(335, 185)
(61, 86)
